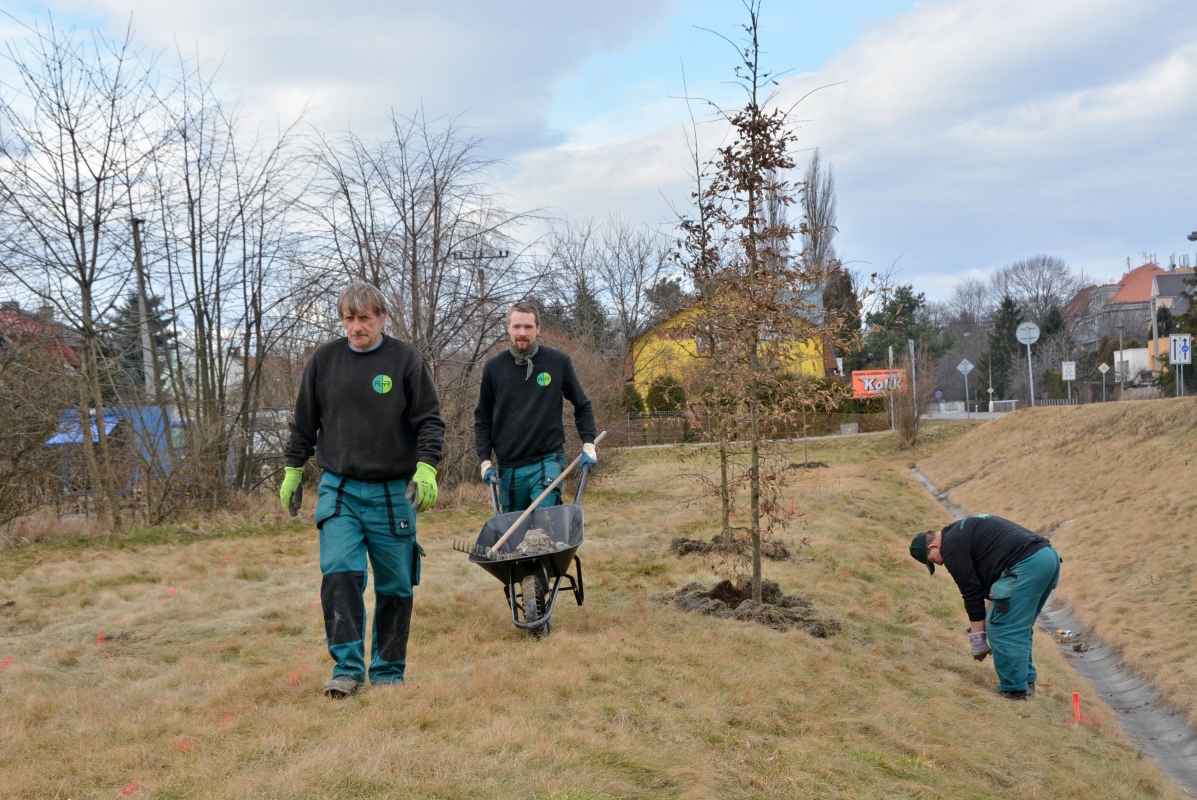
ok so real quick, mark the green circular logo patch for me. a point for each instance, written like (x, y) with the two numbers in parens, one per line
(544, 379)
(382, 383)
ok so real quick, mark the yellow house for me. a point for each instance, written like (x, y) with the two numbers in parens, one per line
(672, 348)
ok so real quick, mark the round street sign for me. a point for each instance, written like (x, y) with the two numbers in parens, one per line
(939, 394)
(1104, 368)
(1027, 333)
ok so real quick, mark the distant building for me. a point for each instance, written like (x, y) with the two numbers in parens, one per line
(1097, 311)
(673, 348)
(39, 331)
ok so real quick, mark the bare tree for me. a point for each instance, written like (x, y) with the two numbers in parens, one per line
(633, 259)
(971, 301)
(74, 136)
(818, 214)
(413, 214)
(1038, 284)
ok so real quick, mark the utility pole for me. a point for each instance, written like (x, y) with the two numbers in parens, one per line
(149, 363)
(890, 383)
(1155, 335)
(1119, 370)
(914, 384)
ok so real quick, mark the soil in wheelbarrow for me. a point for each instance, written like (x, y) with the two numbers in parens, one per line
(728, 600)
(536, 543)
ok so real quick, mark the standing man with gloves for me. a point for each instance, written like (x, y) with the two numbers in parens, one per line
(994, 559)
(368, 408)
(519, 412)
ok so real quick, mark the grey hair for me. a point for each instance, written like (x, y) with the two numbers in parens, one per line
(527, 307)
(360, 296)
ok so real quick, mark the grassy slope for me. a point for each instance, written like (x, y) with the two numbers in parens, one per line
(214, 693)
(1122, 472)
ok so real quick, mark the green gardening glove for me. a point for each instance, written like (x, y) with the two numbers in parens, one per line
(425, 481)
(291, 481)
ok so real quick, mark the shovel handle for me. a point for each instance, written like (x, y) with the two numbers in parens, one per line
(528, 511)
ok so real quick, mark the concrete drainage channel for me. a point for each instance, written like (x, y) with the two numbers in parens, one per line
(1163, 734)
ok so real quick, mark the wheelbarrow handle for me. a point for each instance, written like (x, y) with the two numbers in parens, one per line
(583, 474)
(528, 512)
(494, 494)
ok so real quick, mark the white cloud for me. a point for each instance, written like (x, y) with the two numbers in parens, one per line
(353, 62)
(967, 135)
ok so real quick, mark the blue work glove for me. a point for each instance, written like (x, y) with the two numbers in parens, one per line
(292, 481)
(488, 473)
(425, 481)
(979, 644)
(589, 456)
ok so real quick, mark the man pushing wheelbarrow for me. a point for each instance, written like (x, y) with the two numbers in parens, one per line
(518, 415)
(518, 421)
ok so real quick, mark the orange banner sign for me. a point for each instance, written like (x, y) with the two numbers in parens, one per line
(876, 382)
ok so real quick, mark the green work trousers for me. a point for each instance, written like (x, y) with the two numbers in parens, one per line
(1015, 602)
(519, 486)
(360, 520)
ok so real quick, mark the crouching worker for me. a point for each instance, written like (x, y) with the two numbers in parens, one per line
(993, 559)
(368, 408)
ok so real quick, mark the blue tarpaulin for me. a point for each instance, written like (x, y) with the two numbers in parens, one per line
(149, 424)
(69, 430)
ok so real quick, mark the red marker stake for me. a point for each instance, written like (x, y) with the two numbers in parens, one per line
(1076, 707)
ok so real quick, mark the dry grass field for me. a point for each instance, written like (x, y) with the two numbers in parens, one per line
(1123, 472)
(206, 683)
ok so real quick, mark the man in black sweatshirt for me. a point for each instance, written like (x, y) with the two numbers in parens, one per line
(994, 559)
(519, 411)
(368, 408)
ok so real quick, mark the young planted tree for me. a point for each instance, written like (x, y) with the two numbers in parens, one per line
(759, 300)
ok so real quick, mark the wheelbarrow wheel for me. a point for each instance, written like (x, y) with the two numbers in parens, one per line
(533, 591)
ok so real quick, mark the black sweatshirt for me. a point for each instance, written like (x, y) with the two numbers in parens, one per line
(978, 549)
(519, 416)
(368, 416)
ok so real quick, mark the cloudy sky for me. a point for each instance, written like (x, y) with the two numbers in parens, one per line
(964, 134)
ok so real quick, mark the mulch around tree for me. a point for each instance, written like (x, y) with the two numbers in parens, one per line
(727, 600)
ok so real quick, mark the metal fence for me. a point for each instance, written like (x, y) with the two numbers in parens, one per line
(680, 427)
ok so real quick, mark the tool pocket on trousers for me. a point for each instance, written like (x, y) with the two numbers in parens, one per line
(417, 557)
(328, 500)
(999, 612)
(326, 508)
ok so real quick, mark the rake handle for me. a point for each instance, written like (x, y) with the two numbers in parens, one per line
(528, 511)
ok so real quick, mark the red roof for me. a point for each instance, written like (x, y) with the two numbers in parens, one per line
(19, 327)
(1136, 284)
(1079, 305)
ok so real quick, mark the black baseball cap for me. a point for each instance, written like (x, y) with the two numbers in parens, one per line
(918, 550)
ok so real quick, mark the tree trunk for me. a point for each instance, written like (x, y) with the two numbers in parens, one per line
(724, 491)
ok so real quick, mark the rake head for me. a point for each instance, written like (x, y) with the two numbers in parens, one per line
(474, 550)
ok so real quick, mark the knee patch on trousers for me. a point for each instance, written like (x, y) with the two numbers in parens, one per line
(392, 621)
(344, 609)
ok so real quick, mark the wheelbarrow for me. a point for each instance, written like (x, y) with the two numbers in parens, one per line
(531, 583)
